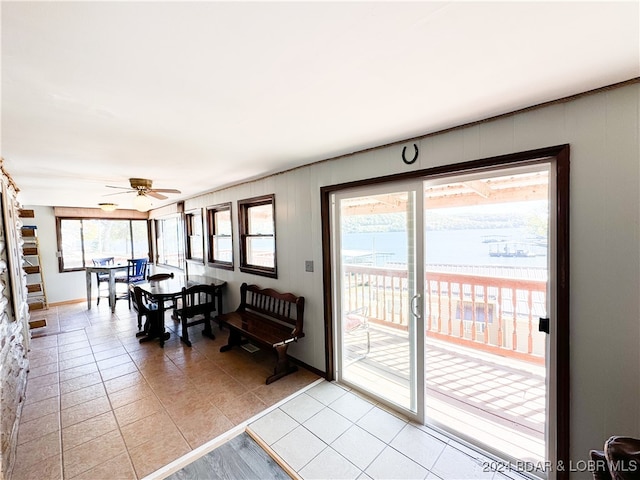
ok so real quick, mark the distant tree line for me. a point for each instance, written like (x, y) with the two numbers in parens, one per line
(396, 222)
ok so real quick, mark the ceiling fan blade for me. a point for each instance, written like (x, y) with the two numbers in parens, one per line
(117, 193)
(164, 190)
(154, 194)
(123, 188)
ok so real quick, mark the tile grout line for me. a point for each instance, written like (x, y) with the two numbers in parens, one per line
(113, 411)
(220, 439)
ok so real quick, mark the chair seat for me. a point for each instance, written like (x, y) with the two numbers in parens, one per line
(136, 273)
(355, 322)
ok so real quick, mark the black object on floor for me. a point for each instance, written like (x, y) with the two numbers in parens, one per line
(241, 458)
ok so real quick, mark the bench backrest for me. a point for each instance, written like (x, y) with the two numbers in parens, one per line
(285, 307)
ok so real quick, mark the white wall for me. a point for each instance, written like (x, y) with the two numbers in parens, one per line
(602, 130)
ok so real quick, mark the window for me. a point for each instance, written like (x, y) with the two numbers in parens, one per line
(220, 254)
(169, 241)
(258, 236)
(82, 239)
(195, 245)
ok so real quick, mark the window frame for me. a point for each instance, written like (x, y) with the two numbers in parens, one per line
(190, 216)
(243, 227)
(211, 235)
(81, 219)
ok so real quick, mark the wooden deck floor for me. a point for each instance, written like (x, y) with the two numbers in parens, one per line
(487, 399)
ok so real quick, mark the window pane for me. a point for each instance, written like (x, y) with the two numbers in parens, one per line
(107, 238)
(140, 239)
(260, 219)
(260, 251)
(195, 249)
(71, 234)
(169, 242)
(196, 224)
(223, 222)
(223, 249)
(82, 240)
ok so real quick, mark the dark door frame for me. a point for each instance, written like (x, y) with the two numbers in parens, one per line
(559, 154)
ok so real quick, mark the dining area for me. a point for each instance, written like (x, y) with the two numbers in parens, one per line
(192, 299)
(118, 408)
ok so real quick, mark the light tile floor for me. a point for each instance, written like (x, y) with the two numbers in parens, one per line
(331, 432)
(100, 405)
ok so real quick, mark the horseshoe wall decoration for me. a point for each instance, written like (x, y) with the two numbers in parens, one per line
(415, 155)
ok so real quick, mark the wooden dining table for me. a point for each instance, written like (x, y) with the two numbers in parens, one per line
(169, 290)
(111, 270)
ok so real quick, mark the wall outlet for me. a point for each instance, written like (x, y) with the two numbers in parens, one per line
(308, 265)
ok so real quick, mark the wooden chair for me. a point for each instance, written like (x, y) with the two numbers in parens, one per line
(102, 277)
(198, 303)
(136, 273)
(145, 307)
(160, 276)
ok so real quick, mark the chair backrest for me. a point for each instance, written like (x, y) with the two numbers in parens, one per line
(141, 303)
(198, 299)
(160, 276)
(137, 269)
(103, 262)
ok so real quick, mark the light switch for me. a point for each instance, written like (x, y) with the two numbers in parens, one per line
(308, 265)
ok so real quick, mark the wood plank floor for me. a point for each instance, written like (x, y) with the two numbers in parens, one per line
(241, 458)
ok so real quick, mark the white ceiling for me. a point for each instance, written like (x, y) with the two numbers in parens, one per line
(201, 95)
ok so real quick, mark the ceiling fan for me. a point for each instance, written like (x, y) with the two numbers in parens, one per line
(144, 188)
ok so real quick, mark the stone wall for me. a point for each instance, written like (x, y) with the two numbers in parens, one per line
(14, 332)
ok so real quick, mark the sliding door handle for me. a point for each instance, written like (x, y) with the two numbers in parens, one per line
(543, 326)
(414, 306)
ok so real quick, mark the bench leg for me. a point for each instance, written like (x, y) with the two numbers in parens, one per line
(208, 332)
(235, 340)
(283, 367)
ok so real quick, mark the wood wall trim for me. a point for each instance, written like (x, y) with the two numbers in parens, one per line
(561, 155)
(76, 212)
(167, 210)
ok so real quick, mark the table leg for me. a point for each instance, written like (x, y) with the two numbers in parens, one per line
(112, 290)
(160, 326)
(88, 289)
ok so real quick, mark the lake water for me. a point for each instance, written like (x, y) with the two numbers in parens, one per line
(454, 247)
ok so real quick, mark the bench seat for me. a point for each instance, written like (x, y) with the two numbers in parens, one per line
(269, 319)
(260, 329)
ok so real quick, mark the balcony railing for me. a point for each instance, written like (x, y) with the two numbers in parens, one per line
(493, 314)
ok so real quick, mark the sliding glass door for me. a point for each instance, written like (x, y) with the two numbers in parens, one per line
(444, 300)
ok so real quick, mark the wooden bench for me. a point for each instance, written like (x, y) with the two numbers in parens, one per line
(268, 318)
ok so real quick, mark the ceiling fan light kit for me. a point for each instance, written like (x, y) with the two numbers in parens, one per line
(143, 188)
(142, 203)
(108, 207)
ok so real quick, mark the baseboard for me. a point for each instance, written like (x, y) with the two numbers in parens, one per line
(68, 302)
(300, 363)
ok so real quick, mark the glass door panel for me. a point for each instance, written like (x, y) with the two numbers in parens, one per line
(486, 256)
(377, 287)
